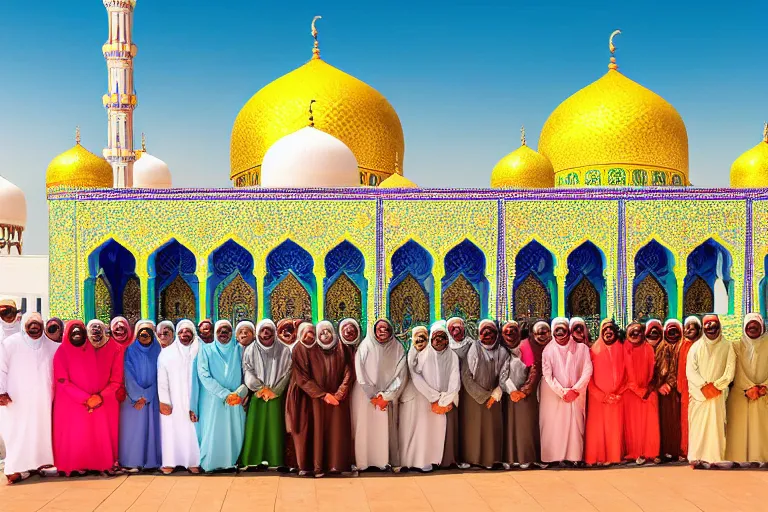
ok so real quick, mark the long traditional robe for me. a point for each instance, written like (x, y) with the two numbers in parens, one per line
(641, 403)
(747, 429)
(605, 421)
(380, 369)
(564, 367)
(222, 426)
(330, 372)
(265, 367)
(414, 411)
(298, 405)
(682, 384)
(140, 429)
(436, 377)
(709, 361)
(26, 374)
(174, 387)
(669, 404)
(84, 440)
(6, 330)
(521, 419)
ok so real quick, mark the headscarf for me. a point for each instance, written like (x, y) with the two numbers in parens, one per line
(60, 323)
(8, 329)
(247, 323)
(218, 325)
(486, 361)
(460, 347)
(268, 364)
(281, 325)
(530, 350)
(380, 364)
(518, 370)
(326, 325)
(141, 362)
(141, 324)
(719, 338)
(578, 320)
(561, 352)
(514, 352)
(667, 354)
(125, 338)
(413, 354)
(32, 343)
(615, 354)
(225, 360)
(104, 338)
(303, 326)
(749, 343)
(695, 320)
(190, 351)
(440, 370)
(162, 325)
(356, 342)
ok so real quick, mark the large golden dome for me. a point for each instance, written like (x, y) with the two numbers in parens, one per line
(78, 168)
(750, 170)
(616, 132)
(523, 168)
(346, 108)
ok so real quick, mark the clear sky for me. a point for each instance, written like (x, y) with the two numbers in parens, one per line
(462, 75)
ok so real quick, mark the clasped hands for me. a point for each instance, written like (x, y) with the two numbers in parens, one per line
(165, 409)
(710, 391)
(570, 395)
(233, 399)
(665, 389)
(379, 402)
(755, 392)
(94, 402)
(266, 394)
(611, 398)
(437, 409)
(5, 399)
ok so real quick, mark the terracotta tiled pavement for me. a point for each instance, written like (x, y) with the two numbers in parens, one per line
(677, 489)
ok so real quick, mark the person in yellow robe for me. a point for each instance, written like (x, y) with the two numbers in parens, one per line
(710, 367)
(747, 432)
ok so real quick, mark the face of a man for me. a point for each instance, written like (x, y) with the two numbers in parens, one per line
(224, 334)
(712, 329)
(287, 333)
(420, 340)
(96, 334)
(456, 328)
(349, 332)
(753, 329)
(8, 314)
(245, 336)
(439, 341)
(54, 332)
(488, 334)
(77, 336)
(34, 328)
(674, 334)
(692, 331)
(654, 335)
(325, 336)
(308, 336)
(561, 334)
(636, 334)
(206, 330)
(165, 336)
(542, 334)
(145, 336)
(510, 334)
(609, 334)
(186, 336)
(266, 336)
(383, 332)
(579, 333)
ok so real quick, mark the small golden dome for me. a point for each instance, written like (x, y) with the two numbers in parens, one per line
(347, 108)
(750, 170)
(78, 168)
(616, 132)
(397, 181)
(523, 168)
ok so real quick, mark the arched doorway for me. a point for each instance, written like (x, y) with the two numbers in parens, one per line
(231, 284)
(344, 287)
(290, 285)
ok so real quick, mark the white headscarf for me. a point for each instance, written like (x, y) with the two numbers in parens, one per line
(162, 325)
(486, 361)
(380, 365)
(190, 351)
(104, 338)
(32, 343)
(268, 364)
(247, 323)
(439, 369)
(693, 320)
(749, 343)
(356, 342)
(578, 320)
(218, 325)
(413, 354)
(300, 332)
(141, 324)
(323, 326)
(460, 347)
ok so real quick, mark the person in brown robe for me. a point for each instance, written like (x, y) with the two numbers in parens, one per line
(286, 334)
(298, 404)
(665, 381)
(482, 429)
(326, 382)
(521, 411)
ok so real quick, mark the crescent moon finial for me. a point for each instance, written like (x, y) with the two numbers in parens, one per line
(612, 48)
(77, 135)
(522, 135)
(316, 49)
(143, 143)
(765, 132)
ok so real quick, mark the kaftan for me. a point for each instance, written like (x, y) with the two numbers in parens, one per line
(605, 421)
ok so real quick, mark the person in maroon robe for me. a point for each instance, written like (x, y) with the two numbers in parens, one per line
(298, 404)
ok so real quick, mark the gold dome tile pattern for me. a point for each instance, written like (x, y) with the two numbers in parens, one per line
(523, 168)
(750, 170)
(397, 181)
(616, 123)
(78, 168)
(347, 108)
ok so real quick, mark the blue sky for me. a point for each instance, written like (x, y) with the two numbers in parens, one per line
(463, 76)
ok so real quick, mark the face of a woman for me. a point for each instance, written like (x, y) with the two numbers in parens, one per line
(224, 334)
(119, 330)
(96, 334)
(561, 334)
(165, 336)
(654, 335)
(456, 328)
(325, 336)
(54, 332)
(287, 333)
(206, 330)
(673, 334)
(542, 334)
(186, 336)
(266, 335)
(439, 341)
(488, 334)
(145, 336)
(308, 336)
(420, 340)
(753, 329)
(510, 334)
(692, 331)
(383, 332)
(245, 336)
(34, 328)
(77, 336)
(579, 333)
(712, 329)
(636, 334)
(609, 334)
(349, 332)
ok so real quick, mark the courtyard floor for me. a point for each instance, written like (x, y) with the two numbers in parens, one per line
(677, 489)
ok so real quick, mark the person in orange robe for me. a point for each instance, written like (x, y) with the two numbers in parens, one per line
(691, 334)
(641, 403)
(605, 428)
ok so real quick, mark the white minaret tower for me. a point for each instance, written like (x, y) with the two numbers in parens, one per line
(120, 100)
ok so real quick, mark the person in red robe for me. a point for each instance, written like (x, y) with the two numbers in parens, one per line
(85, 409)
(641, 404)
(665, 381)
(605, 413)
(691, 333)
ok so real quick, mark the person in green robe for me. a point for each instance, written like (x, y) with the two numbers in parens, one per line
(266, 371)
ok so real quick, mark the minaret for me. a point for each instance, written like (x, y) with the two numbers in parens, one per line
(120, 99)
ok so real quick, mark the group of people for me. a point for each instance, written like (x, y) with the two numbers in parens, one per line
(321, 399)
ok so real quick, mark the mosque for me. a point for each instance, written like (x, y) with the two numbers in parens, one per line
(321, 221)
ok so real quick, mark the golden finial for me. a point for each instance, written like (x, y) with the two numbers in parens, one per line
(522, 135)
(143, 143)
(316, 49)
(612, 48)
(397, 162)
(311, 115)
(765, 132)
(77, 135)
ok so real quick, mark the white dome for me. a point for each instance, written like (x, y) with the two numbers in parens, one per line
(13, 205)
(309, 158)
(151, 172)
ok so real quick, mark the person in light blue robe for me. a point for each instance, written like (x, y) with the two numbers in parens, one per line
(220, 396)
(140, 440)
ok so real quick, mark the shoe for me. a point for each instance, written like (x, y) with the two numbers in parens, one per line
(505, 465)
(195, 470)
(463, 465)
(640, 461)
(166, 470)
(17, 477)
(303, 473)
(319, 475)
(526, 465)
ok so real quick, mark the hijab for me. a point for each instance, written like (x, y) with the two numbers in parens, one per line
(60, 323)
(104, 338)
(577, 320)
(32, 343)
(142, 324)
(303, 326)
(381, 364)
(249, 325)
(561, 353)
(413, 354)
(440, 370)
(514, 352)
(486, 361)
(704, 337)
(141, 361)
(8, 329)
(530, 350)
(460, 347)
(187, 352)
(356, 342)
(125, 338)
(161, 326)
(747, 342)
(268, 363)
(693, 320)
(325, 325)
(225, 360)
(281, 325)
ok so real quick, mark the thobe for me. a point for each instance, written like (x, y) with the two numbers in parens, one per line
(174, 387)
(380, 369)
(669, 404)
(437, 378)
(605, 421)
(298, 407)
(6, 330)
(641, 403)
(265, 367)
(85, 440)
(682, 385)
(219, 370)
(140, 429)
(415, 434)
(564, 367)
(330, 372)
(709, 361)
(460, 348)
(26, 374)
(482, 429)
(747, 430)
(521, 419)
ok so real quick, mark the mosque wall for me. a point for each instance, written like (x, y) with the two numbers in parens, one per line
(415, 255)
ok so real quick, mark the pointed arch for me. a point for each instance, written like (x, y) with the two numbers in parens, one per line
(654, 288)
(290, 287)
(173, 283)
(763, 288)
(534, 289)
(464, 287)
(708, 282)
(411, 287)
(111, 269)
(345, 288)
(585, 287)
(231, 285)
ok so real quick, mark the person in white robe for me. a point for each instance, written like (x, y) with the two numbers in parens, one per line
(381, 372)
(414, 412)
(710, 368)
(26, 395)
(174, 388)
(10, 324)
